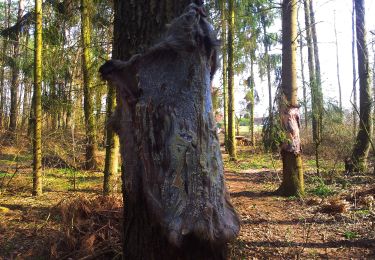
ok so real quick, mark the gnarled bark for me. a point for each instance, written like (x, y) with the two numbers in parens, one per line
(176, 203)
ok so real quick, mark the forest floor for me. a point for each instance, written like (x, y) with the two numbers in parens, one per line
(336, 219)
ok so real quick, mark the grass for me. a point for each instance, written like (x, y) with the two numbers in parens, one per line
(247, 161)
(320, 188)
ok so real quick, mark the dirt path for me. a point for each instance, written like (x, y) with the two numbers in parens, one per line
(287, 228)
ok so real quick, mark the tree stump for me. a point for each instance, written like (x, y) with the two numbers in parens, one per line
(176, 203)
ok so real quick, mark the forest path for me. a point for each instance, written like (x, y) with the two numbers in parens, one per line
(289, 228)
(272, 227)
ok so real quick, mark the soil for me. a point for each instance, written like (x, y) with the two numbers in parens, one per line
(289, 228)
(333, 221)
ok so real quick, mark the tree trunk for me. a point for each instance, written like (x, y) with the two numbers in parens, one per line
(303, 77)
(338, 65)
(252, 101)
(362, 145)
(268, 68)
(37, 139)
(4, 52)
(355, 109)
(176, 204)
(27, 88)
(318, 85)
(315, 96)
(232, 149)
(91, 143)
(15, 75)
(224, 70)
(112, 147)
(292, 183)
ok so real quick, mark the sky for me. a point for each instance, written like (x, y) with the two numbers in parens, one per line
(324, 16)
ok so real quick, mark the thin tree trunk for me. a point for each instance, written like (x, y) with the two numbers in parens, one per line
(303, 77)
(112, 146)
(4, 53)
(232, 150)
(15, 75)
(27, 88)
(355, 123)
(337, 64)
(362, 145)
(252, 101)
(318, 84)
(224, 70)
(37, 139)
(268, 68)
(152, 176)
(292, 184)
(91, 143)
(316, 97)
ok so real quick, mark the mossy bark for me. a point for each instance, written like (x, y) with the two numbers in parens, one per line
(293, 181)
(37, 133)
(292, 184)
(231, 142)
(112, 147)
(91, 142)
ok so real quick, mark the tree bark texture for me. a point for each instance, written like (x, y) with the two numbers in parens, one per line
(112, 146)
(37, 133)
(292, 183)
(362, 145)
(355, 116)
(15, 75)
(303, 77)
(252, 99)
(232, 147)
(268, 68)
(4, 52)
(224, 69)
(91, 142)
(176, 204)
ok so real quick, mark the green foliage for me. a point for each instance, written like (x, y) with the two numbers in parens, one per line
(350, 235)
(321, 189)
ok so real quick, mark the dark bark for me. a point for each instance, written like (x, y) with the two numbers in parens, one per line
(176, 203)
(362, 145)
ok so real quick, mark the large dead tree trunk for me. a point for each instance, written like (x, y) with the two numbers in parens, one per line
(176, 203)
